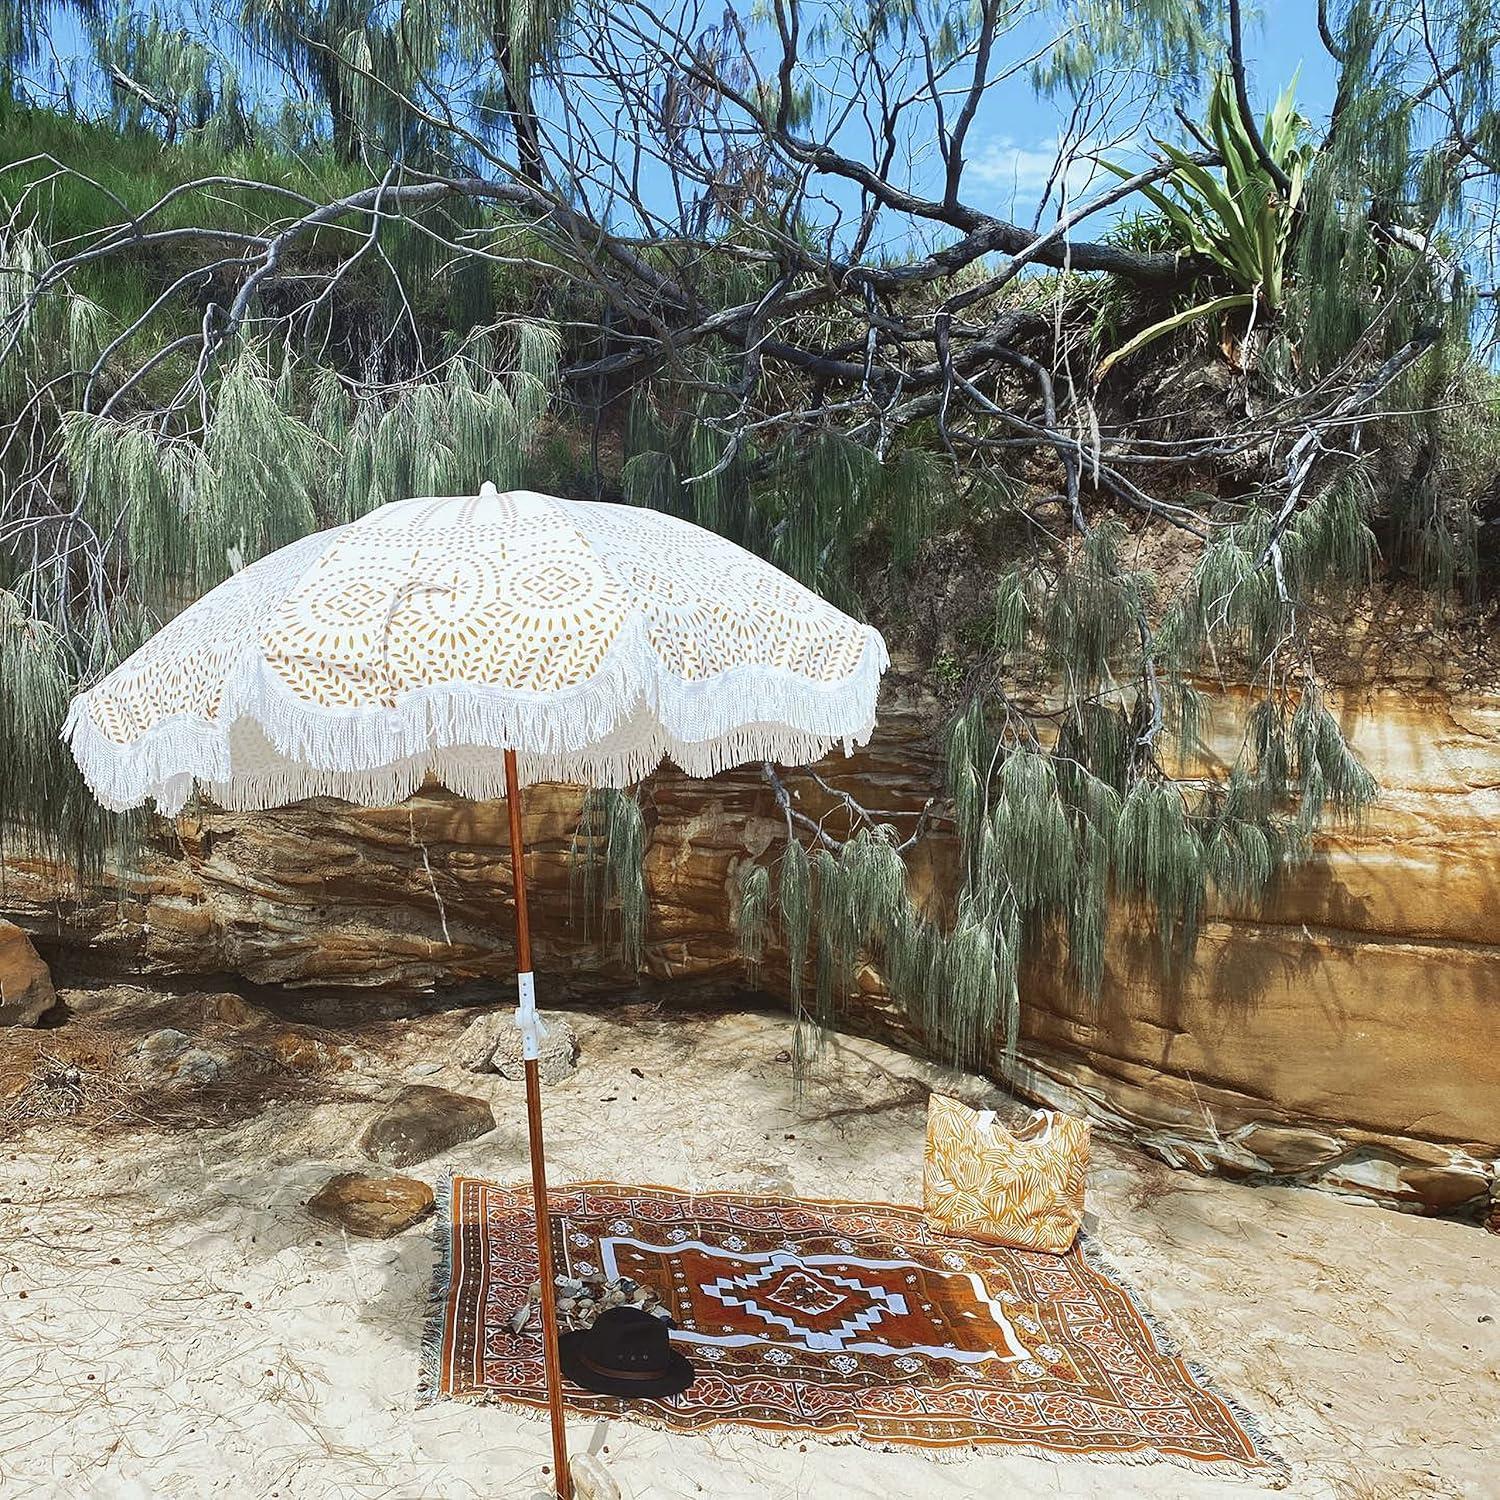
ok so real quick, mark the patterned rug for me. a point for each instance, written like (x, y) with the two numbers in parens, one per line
(848, 1321)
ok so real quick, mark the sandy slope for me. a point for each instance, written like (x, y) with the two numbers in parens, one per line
(172, 1323)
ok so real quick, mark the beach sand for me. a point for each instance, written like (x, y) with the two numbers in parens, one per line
(172, 1323)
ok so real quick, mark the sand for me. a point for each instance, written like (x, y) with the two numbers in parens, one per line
(173, 1324)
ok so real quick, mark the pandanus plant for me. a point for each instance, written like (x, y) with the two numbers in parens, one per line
(1237, 215)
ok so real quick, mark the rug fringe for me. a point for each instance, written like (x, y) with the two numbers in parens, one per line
(1271, 1474)
(430, 1370)
(1276, 1466)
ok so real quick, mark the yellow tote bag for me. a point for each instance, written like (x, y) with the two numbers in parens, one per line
(1020, 1187)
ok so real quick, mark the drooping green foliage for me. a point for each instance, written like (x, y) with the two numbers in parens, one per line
(1102, 801)
(292, 448)
(162, 78)
(806, 507)
(607, 868)
(48, 810)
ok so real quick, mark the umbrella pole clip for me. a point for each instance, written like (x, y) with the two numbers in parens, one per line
(528, 1020)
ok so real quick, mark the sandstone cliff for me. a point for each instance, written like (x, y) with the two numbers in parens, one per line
(1342, 1034)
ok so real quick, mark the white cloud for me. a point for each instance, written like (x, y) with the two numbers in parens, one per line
(1019, 173)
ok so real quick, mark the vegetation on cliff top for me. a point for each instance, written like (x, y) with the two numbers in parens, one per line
(258, 278)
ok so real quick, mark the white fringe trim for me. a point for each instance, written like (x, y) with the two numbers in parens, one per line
(266, 747)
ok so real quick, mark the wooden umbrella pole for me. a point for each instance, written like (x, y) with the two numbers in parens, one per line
(526, 988)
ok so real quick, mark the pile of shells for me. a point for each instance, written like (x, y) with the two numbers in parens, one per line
(579, 1302)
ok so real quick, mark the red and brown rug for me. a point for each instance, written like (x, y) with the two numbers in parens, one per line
(849, 1321)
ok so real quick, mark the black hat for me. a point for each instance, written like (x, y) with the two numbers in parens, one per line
(626, 1353)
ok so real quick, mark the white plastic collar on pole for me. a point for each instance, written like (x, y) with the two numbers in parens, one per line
(530, 1023)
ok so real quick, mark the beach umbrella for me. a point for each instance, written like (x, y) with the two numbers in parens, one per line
(487, 642)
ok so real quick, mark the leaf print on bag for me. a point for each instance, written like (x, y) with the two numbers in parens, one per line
(1022, 1187)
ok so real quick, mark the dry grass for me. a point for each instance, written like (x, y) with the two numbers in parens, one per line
(88, 1072)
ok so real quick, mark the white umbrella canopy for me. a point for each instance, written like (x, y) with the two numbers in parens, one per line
(487, 641)
(594, 640)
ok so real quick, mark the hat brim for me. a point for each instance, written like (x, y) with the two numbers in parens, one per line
(673, 1381)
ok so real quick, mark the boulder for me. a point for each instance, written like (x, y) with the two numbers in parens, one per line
(421, 1121)
(26, 991)
(169, 1058)
(492, 1044)
(374, 1207)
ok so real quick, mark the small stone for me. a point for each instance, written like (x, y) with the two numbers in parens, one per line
(26, 992)
(591, 1481)
(519, 1318)
(421, 1121)
(373, 1207)
(476, 1043)
(162, 1047)
(169, 1059)
(197, 1067)
(230, 1009)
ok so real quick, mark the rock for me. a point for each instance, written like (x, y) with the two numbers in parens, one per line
(591, 1480)
(197, 1067)
(1442, 1190)
(26, 992)
(476, 1043)
(301, 1053)
(1433, 1185)
(373, 1207)
(230, 1009)
(558, 1055)
(491, 1043)
(169, 1058)
(161, 1048)
(1286, 1150)
(421, 1121)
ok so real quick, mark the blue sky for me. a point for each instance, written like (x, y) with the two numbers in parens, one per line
(1013, 143)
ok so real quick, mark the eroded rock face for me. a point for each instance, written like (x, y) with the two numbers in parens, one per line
(1342, 1034)
(26, 992)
